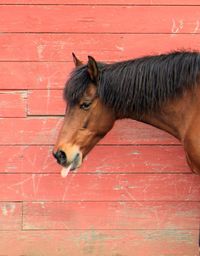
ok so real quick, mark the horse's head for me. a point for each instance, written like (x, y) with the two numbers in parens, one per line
(87, 119)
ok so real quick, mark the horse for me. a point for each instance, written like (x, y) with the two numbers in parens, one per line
(160, 90)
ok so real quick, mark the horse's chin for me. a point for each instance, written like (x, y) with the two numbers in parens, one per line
(75, 164)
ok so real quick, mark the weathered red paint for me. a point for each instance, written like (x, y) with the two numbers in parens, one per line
(34, 75)
(85, 242)
(10, 216)
(58, 47)
(88, 18)
(12, 104)
(111, 215)
(133, 159)
(46, 102)
(43, 130)
(135, 192)
(105, 2)
(100, 187)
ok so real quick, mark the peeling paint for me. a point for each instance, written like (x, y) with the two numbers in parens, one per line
(8, 209)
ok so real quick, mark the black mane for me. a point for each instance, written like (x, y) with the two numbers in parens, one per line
(140, 85)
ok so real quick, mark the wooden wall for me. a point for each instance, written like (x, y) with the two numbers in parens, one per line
(135, 194)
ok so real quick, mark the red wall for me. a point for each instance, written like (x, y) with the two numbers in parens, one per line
(134, 194)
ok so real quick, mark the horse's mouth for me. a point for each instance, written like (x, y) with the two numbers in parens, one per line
(72, 165)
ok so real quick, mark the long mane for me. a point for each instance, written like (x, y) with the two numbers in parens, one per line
(140, 85)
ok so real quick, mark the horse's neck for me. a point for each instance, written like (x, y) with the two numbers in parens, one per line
(175, 116)
(162, 122)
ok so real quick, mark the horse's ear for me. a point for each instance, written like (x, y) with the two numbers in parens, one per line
(92, 68)
(77, 62)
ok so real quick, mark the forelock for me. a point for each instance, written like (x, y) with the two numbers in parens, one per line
(76, 85)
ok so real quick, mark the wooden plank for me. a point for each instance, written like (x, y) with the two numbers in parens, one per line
(100, 187)
(133, 159)
(100, 242)
(34, 75)
(144, 19)
(22, 75)
(46, 102)
(10, 215)
(103, 2)
(29, 131)
(42, 130)
(12, 104)
(58, 47)
(111, 215)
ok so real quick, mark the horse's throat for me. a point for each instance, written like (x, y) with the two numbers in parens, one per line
(163, 123)
(174, 117)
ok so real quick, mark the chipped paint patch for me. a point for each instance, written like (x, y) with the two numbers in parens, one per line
(8, 209)
(135, 152)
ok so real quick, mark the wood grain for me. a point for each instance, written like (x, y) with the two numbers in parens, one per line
(111, 215)
(104, 2)
(89, 19)
(104, 47)
(102, 159)
(134, 194)
(10, 216)
(34, 75)
(46, 102)
(12, 104)
(44, 131)
(100, 187)
(100, 242)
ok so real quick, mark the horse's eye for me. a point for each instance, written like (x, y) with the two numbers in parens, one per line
(85, 105)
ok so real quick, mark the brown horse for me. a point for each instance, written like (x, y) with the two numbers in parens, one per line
(160, 90)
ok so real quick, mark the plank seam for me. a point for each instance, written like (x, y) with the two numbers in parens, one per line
(106, 201)
(97, 173)
(22, 216)
(110, 201)
(56, 229)
(101, 4)
(99, 145)
(97, 33)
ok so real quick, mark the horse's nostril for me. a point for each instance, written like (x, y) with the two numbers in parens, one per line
(61, 157)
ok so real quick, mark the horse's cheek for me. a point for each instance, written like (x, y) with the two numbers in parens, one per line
(84, 137)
